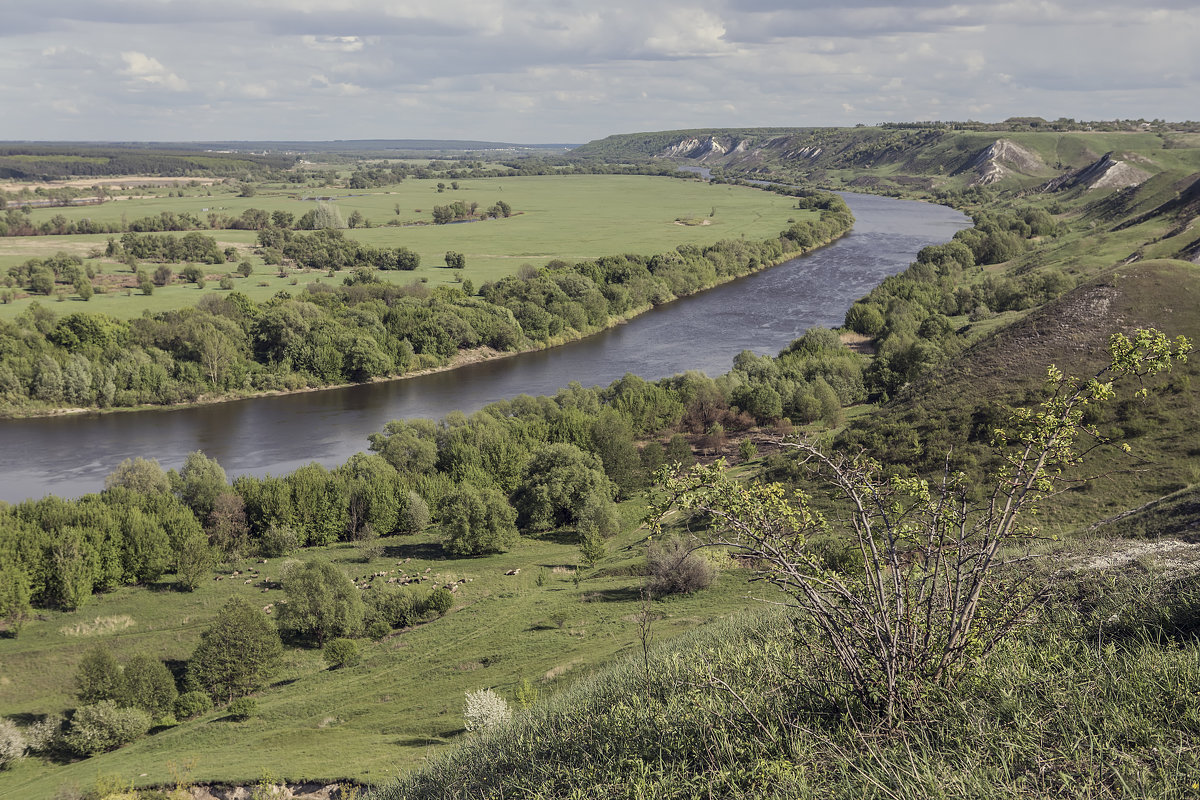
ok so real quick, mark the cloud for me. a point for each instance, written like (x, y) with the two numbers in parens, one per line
(573, 70)
(149, 71)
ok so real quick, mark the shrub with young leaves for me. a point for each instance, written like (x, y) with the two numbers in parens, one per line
(105, 726)
(192, 704)
(243, 708)
(341, 653)
(927, 603)
(485, 710)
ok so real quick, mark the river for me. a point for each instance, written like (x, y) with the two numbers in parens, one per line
(70, 455)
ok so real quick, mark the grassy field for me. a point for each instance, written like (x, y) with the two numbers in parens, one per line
(403, 702)
(569, 217)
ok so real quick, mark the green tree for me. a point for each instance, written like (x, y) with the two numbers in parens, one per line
(236, 653)
(14, 597)
(199, 483)
(612, 441)
(149, 686)
(371, 495)
(140, 475)
(341, 653)
(413, 516)
(98, 677)
(440, 601)
(477, 521)
(557, 483)
(322, 602)
(679, 451)
(455, 260)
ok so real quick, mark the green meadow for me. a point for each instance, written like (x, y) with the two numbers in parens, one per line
(573, 217)
(402, 703)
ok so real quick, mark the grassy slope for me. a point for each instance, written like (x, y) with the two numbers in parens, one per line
(569, 217)
(401, 704)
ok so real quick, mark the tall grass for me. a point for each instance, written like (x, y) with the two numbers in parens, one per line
(729, 711)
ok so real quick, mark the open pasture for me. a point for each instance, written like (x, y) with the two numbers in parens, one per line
(571, 217)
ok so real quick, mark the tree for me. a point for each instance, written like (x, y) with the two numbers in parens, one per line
(455, 260)
(413, 516)
(98, 677)
(226, 528)
(557, 484)
(322, 602)
(592, 548)
(12, 744)
(235, 653)
(141, 475)
(14, 598)
(477, 521)
(440, 601)
(676, 568)
(149, 686)
(371, 494)
(927, 602)
(193, 560)
(200, 482)
(612, 441)
(678, 451)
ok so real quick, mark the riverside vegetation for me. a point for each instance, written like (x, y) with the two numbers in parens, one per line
(1086, 695)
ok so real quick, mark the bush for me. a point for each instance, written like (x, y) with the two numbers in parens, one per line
(377, 630)
(394, 606)
(279, 540)
(45, 734)
(104, 726)
(676, 568)
(192, 704)
(12, 744)
(485, 710)
(440, 601)
(341, 653)
(243, 708)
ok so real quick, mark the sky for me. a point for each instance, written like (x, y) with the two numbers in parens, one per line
(540, 71)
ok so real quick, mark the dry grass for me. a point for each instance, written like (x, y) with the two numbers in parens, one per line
(100, 626)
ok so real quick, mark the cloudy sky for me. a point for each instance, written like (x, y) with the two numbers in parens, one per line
(572, 71)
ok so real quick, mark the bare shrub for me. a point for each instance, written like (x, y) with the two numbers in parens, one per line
(676, 567)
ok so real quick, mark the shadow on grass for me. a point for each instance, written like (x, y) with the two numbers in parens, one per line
(426, 551)
(565, 536)
(622, 595)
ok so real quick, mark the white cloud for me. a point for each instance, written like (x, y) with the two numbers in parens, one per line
(150, 71)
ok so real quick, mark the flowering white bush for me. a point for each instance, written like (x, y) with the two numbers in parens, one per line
(485, 710)
(12, 743)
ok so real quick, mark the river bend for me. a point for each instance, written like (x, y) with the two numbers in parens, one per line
(70, 455)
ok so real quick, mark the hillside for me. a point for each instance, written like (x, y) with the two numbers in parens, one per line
(908, 159)
(751, 708)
